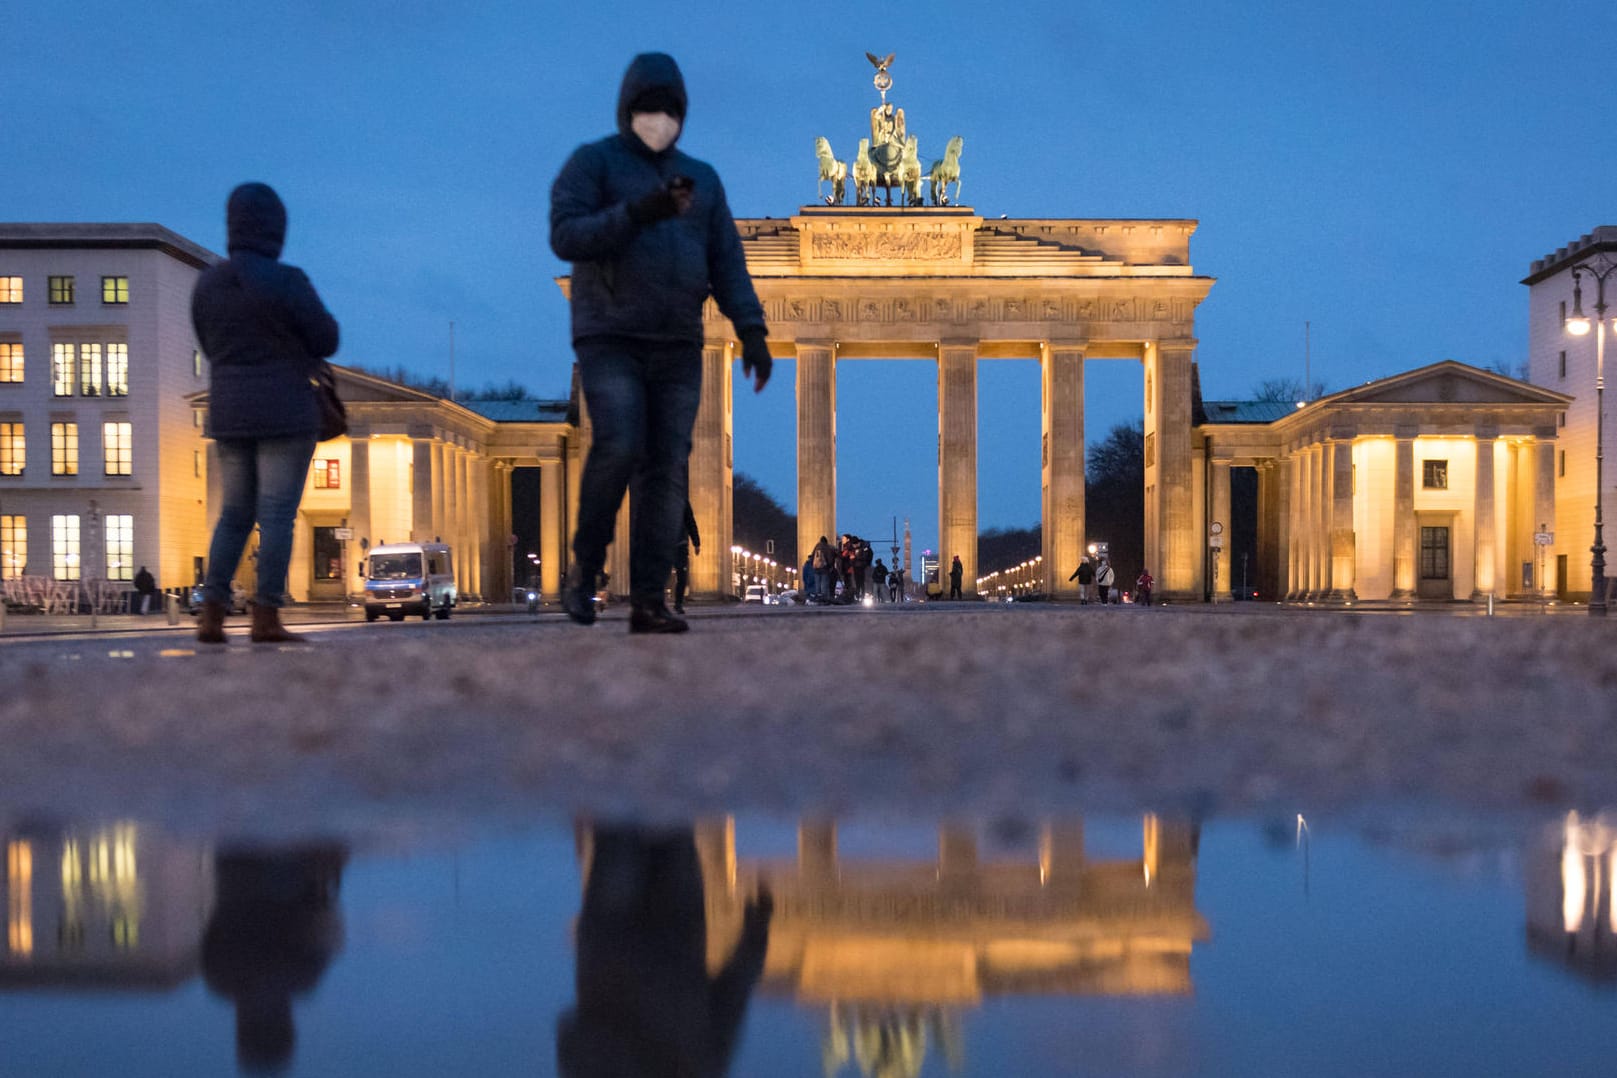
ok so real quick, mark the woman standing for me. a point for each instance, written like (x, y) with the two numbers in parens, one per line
(264, 331)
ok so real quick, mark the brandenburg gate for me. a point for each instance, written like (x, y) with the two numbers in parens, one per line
(941, 284)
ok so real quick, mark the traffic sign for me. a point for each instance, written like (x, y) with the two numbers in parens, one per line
(1544, 538)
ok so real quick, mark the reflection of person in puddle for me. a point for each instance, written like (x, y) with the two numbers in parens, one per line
(646, 1005)
(274, 929)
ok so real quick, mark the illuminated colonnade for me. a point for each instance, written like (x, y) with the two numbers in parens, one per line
(1427, 485)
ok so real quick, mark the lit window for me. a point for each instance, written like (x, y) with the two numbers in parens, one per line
(1561, 467)
(10, 289)
(65, 547)
(61, 289)
(196, 463)
(327, 475)
(13, 546)
(117, 448)
(115, 290)
(1435, 474)
(117, 370)
(62, 369)
(10, 361)
(13, 448)
(65, 449)
(196, 418)
(20, 898)
(196, 363)
(90, 370)
(120, 543)
(1563, 364)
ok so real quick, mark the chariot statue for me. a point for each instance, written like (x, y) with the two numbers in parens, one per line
(889, 160)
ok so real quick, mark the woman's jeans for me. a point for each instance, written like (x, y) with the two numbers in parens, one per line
(261, 480)
(642, 398)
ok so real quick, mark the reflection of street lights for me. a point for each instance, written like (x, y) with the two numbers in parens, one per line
(1577, 324)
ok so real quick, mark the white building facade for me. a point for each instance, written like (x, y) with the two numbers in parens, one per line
(102, 465)
(1560, 361)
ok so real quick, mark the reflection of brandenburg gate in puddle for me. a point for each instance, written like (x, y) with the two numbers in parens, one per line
(895, 949)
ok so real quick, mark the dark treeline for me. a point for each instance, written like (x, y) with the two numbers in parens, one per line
(760, 518)
(512, 390)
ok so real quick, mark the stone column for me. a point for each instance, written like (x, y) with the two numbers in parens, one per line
(1343, 546)
(816, 446)
(957, 461)
(1319, 507)
(1485, 521)
(441, 477)
(1403, 514)
(359, 502)
(1220, 511)
(1179, 575)
(1061, 850)
(1285, 580)
(1062, 465)
(423, 482)
(1544, 503)
(504, 581)
(552, 529)
(817, 849)
(1302, 508)
(482, 532)
(712, 475)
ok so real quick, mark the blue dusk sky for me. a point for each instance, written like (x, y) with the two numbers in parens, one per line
(1383, 171)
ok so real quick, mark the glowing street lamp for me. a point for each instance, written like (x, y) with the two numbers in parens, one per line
(1578, 324)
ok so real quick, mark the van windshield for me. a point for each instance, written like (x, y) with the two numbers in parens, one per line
(395, 566)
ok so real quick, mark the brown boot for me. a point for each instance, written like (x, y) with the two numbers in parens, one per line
(267, 627)
(211, 623)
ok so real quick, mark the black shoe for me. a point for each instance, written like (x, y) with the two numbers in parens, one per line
(655, 618)
(679, 608)
(577, 598)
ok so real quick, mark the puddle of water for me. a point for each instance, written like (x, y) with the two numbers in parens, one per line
(1139, 946)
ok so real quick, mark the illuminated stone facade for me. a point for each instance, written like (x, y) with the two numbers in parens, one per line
(1427, 485)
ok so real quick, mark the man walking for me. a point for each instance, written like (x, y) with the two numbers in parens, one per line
(1085, 575)
(956, 572)
(689, 539)
(650, 236)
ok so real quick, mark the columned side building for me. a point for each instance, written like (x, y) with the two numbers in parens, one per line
(1432, 484)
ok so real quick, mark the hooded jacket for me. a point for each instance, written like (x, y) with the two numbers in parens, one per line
(262, 326)
(647, 282)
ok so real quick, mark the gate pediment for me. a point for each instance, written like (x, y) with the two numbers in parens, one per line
(1448, 382)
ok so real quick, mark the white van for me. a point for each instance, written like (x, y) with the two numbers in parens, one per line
(409, 578)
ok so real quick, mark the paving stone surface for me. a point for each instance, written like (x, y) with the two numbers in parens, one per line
(1002, 712)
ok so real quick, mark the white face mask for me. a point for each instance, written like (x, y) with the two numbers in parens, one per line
(657, 130)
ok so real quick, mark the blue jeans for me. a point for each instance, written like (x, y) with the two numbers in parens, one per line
(261, 480)
(642, 398)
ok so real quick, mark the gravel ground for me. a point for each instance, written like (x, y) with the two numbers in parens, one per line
(991, 712)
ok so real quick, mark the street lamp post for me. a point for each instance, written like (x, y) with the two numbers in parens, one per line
(1577, 324)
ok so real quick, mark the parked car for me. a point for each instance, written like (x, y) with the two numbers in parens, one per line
(756, 593)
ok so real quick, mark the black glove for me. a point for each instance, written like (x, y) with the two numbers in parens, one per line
(654, 206)
(756, 361)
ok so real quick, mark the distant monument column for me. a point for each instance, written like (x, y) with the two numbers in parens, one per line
(1485, 522)
(711, 473)
(1343, 553)
(1544, 497)
(359, 501)
(1062, 401)
(957, 461)
(1220, 512)
(1168, 423)
(816, 445)
(552, 528)
(1403, 514)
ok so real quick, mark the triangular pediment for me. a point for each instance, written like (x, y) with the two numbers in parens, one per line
(353, 385)
(1447, 382)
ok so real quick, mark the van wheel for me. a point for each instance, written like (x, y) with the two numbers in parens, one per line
(426, 611)
(371, 615)
(443, 611)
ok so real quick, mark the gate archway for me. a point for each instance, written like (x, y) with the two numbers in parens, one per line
(944, 285)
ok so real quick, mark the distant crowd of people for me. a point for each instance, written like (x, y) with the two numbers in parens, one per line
(847, 571)
(1097, 582)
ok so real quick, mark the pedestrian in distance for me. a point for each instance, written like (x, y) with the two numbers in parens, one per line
(1105, 577)
(145, 588)
(895, 585)
(956, 572)
(1085, 575)
(650, 236)
(878, 579)
(823, 562)
(1142, 587)
(690, 539)
(264, 330)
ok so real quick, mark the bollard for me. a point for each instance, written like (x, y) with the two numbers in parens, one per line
(172, 603)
